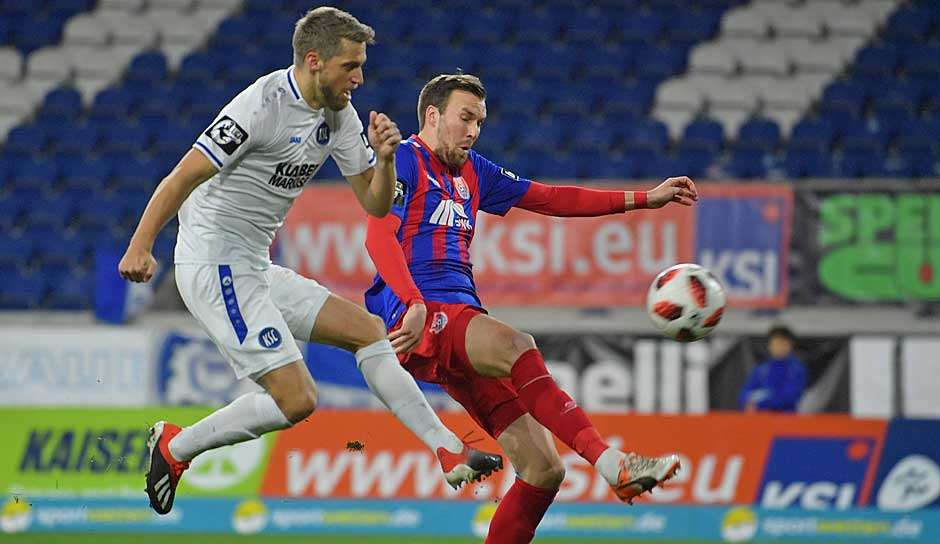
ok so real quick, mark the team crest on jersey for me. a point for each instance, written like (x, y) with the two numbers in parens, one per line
(462, 188)
(438, 322)
(227, 134)
(399, 199)
(509, 174)
(323, 133)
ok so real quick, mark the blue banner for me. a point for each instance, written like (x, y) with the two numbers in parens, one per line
(462, 518)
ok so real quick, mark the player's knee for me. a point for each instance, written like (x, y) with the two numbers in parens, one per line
(300, 406)
(377, 331)
(547, 475)
(520, 342)
(371, 330)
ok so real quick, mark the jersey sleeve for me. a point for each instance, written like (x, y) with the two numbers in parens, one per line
(352, 151)
(500, 189)
(238, 128)
(406, 182)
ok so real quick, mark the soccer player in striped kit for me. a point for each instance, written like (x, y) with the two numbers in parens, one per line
(424, 290)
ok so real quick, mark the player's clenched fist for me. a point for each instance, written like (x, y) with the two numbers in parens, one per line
(137, 265)
(384, 135)
(680, 189)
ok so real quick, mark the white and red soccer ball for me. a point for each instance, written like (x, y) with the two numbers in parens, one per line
(686, 302)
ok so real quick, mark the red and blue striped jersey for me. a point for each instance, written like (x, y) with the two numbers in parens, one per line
(438, 207)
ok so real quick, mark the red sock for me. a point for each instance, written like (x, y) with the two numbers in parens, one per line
(519, 513)
(553, 408)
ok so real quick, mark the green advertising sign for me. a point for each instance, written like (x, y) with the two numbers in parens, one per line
(103, 453)
(881, 247)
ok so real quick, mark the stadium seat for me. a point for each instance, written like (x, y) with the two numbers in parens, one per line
(15, 250)
(759, 133)
(706, 134)
(642, 26)
(808, 163)
(26, 139)
(27, 294)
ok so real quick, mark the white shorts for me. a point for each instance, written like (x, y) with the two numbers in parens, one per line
(251, 314)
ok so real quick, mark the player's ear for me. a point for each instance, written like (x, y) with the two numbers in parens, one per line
(431, 115)
(312, 61)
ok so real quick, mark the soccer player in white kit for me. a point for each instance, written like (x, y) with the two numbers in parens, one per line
(232, 192)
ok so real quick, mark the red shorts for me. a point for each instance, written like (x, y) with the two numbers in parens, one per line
(441, 358)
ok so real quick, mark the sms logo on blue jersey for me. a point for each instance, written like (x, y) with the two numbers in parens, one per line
(816, 473)
(742, 237)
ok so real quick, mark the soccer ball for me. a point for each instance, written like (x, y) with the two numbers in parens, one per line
(686, 302)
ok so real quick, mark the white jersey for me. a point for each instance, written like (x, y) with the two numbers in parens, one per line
(267, 143)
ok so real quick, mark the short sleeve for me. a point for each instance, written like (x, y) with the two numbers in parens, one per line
(236, 130)
(406, 182)
(500, 189)
(352, 151)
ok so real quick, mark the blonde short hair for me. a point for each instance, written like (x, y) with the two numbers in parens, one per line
(321, 30)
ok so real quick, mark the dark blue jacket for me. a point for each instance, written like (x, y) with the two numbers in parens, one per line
(776, 385)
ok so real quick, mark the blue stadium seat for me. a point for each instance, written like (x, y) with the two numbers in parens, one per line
(632, 98)
(861, 138)
(62, 251)
(543, 137)
(587, 27)
(85, 174)
(26, 140)
(146, 68)
(600, 67)
(908, 24)
(748, 164)
(11, 210)
(594, 136)
(923, 60)
(35, 174)
(113, 102)
(705, 134)
(693, 25)
(694, 162)
(878, 60)
(661, 61)
(759, 133)
(648, 135)
(124, 138)
(78, 140)
(55, 212)
(15, 250)
(643, 26)
(589, 163)
(22, 291)
(557, 166)
(37, 32)
(89, 216)
(484, 28)
(920, 159)
(812, 133)
(199, 67)
(64, 102)
(235, 32)
(620, 167)
(539, 27)
(859, 164)
(846, 95)
(72, 291)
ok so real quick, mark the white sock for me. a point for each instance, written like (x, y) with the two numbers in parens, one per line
(398, 391)
(247, 417)
(608, 465)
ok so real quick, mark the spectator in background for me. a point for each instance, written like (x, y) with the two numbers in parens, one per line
(777, 384)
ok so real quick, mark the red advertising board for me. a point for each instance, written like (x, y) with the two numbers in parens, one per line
(723, 456)
(740, 232)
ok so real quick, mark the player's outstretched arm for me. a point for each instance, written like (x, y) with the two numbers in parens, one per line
(389, 259)
(574, 201)
(138, 264)
(375, 187)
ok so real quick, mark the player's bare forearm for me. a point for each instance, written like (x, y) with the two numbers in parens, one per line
(382, 187)
(175, 188)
